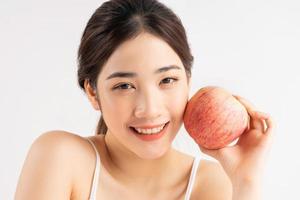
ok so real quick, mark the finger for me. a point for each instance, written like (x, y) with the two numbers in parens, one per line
(255, 121)
(219, 154)
(270, 124)
(269, 132)
(262, 117)
(213, 153)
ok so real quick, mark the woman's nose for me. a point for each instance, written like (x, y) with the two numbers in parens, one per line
(148, 106)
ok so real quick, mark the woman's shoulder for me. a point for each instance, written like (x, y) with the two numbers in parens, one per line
(51, 164)
(77, 154)
(211, 178)
(63, 143)
(70, 147)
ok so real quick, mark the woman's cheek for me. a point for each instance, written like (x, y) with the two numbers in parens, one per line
(119, 106)
(178, 101)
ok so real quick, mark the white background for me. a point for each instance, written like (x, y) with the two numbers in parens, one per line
(251, 48)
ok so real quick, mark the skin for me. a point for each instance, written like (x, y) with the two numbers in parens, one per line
(60, 165)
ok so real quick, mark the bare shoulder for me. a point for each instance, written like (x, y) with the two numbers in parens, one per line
(212, 182)
(64, 145)
(50, 165)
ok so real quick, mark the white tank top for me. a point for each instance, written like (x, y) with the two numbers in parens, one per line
(97, 172)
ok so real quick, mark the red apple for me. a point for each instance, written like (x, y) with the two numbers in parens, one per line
(214, 117)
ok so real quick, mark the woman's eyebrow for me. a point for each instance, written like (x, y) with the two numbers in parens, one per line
(133, 74)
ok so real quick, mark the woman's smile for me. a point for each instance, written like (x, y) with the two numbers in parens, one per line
(150, 134)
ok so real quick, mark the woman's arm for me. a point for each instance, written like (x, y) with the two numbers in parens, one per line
(247, 190)
(244, 162)
(46, 171)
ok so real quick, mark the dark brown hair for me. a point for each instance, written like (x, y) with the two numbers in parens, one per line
(116, 21)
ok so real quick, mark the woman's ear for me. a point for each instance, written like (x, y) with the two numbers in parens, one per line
(92, 95)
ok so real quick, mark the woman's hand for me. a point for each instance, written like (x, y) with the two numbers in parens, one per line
(245, 160)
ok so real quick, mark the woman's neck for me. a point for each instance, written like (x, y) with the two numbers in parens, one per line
(133, 171)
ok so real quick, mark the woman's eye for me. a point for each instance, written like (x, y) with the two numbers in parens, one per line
(169, 80)
(122, 86)
(126, 86)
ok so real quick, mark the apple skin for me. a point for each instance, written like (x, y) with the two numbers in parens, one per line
(214, 118)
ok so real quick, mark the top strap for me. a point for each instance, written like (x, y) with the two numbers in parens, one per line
(192, 178)
(96, 173)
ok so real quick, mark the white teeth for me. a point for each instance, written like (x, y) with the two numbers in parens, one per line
(150, 131)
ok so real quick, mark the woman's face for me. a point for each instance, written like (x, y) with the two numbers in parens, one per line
(147, 96)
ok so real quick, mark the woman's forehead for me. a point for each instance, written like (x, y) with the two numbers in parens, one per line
(143, 50)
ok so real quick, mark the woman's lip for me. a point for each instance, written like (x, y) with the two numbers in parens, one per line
(150, 137)
(149, 126)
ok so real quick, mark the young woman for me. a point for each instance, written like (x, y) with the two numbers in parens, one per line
(135, 67)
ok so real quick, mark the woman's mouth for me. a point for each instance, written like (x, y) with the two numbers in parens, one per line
(150, 134)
